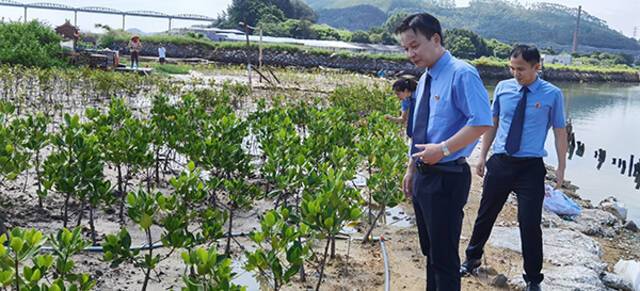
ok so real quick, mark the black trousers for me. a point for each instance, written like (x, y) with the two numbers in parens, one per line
(134, 58)
(525, 177)
(438, 201)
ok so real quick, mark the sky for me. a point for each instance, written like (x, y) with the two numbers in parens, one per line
(621, 15)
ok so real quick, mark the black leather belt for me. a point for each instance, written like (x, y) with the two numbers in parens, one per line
(451, 167)
(507, 158)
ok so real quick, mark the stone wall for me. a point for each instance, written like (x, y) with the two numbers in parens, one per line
(362, 65)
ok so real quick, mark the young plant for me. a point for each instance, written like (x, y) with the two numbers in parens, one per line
(38, 139)
(13, 157)
(330, 204)
(212, 271)
(20, 246)
(280, 253)
(125, 144)
(75, 168)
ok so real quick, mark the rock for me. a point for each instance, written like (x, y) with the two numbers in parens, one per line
(500, 281)
(629, 271)
(612, 206)
(595, 222)
(630, 225)
(615, 282)
(575, 258)
(487, 270)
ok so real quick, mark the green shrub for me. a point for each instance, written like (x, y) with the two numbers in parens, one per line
(30, 44)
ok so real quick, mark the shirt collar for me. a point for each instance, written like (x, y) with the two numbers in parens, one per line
(437, 68)
(533, 86)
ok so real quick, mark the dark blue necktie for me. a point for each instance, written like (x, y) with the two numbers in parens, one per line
(422, 118)
(517, 123)
(412, 103)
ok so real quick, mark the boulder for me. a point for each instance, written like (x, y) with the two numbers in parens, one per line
(614, 207)
(574, 259)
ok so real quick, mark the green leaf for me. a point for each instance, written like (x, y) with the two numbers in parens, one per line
(16, 244)
(146, 221)
(270, 219)
(328, 223)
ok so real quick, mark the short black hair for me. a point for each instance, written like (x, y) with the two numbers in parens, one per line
(405, 84)
(424, 23)
(528, 52)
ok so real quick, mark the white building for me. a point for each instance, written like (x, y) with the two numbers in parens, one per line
(562, 59)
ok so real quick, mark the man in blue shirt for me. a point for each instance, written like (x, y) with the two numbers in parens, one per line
(524, 108)
(451, 112)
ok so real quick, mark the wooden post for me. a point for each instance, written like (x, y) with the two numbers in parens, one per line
(260, 51)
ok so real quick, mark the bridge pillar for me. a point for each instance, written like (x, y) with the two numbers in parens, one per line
(169, 23)
(123, 23)
(25, 14)
(75, 18)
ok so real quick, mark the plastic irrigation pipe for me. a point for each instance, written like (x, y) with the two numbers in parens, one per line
(143, 247)
(387, 275)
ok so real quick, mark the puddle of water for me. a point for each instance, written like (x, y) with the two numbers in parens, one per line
(244, 277)
(360, 181)
(398, 217)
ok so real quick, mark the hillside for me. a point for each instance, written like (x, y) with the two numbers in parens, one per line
(544, 24)
(351, 18)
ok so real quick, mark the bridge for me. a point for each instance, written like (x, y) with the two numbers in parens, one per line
(103, 10)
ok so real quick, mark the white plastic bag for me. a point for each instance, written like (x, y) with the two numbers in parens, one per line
(629, 271)
(558, 203)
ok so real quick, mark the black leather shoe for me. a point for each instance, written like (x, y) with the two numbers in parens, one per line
(533, 286)
(469, 266)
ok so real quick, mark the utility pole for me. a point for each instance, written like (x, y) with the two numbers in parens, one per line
(635, 32)
(577, 31)
(246, 33)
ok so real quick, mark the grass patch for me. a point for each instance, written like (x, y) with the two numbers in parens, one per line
(172, 69)
(618, 69)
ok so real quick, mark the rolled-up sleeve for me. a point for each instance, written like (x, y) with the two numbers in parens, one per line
(471, 98)
(557, 113)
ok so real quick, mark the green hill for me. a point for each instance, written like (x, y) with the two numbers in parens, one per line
(543, 24)
(351, 18)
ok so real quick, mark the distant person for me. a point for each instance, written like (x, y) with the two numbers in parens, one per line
(135, 46)
(162, 54)
(405, 90)
(524, 109)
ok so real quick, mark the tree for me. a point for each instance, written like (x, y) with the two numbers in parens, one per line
(250, 12)
(253, 11)
(466, 44)
(394, 21)
(30, 44)
(360, 36)
(500, 49)
(462, 47)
